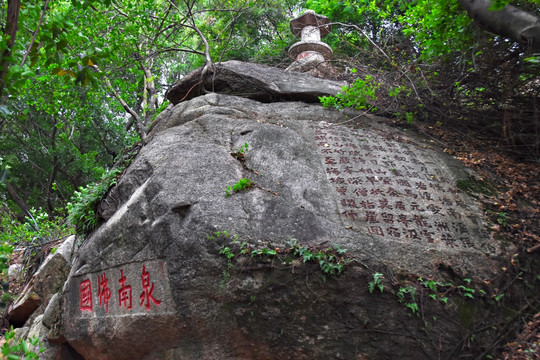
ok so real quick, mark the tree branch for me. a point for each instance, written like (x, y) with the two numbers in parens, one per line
(381, 51)
(174, 49)
(17, 199)
(208, 60)
(510, 21)
(35, 33)
(139, 124)
(357, 28)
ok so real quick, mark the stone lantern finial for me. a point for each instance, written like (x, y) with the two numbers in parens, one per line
(310, 51)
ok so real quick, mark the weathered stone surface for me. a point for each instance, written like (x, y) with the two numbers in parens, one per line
(150, 283)
(52, 320)
(52, 274)
(37, 329)
(67, 248)
(15, 272)
(23, 308)
(253, 81)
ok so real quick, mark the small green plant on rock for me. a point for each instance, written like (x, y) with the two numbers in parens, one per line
(467, 291)
(433, 286)
(332, 261)
(401, 295)
(264, 252)
(376, 283)
(502, 218)
(242, 148)
(240, 152)
(227, 252)
(241, 185)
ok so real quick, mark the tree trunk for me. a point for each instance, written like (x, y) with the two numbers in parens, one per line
(510, 22)
(17, 199)
(149, 95)
(10, 31)
(52, 177)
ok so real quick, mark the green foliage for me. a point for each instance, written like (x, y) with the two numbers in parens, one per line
(502, 218)
(226, 251)
(332, 261)
(13, 349)
(243, 149)
(264, 252)
(241, 185)
(37, 227)
(467, 291)
(240, 152)
(435, 31)
(433, 286)
(5, 252)
(83, 205)
(402, 296)
(409, 117)
(7, 298)
(498, 4)
(534, 59)
(57, 138)
(356, 96)
(376, 283)
(28, 236)
(160, 109)
(244, 184)
(435, 28)
(250, 31)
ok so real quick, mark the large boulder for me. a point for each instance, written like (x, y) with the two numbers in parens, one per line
(253, 81)
(169, 275)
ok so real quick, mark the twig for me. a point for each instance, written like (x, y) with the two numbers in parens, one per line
(363, 33)
(533, 249)
(380, 50)
(357, 116)
(35, 33)
(138, 121)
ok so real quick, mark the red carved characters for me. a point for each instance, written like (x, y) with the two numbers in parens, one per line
(105, 290)
(86, 295)
(148, 290)
(104, 293)
(124, 294)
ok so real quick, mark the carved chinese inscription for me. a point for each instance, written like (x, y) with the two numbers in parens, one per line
(148, 290)
(112, 289)
(104, 293)
(124, 294)
(86, 295)
(387, 189)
